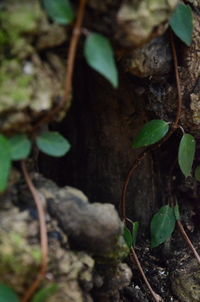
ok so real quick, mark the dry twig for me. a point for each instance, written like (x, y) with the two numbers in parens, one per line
(187, 239)
(156, 297)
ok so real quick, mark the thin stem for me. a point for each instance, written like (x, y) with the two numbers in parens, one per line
(43, 235)
(156, 297)
(178, 85)
(122, 206)
(70, 68)
(187, 239)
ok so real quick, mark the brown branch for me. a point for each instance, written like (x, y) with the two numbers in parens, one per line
(156, 297)
(187, 239)
(69, 70)
(122, 206)
(43, 235)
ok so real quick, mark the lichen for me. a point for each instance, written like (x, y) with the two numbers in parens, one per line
(18, 258)
(15, 85)
(145, 19)
(29, 86)
(120, 252)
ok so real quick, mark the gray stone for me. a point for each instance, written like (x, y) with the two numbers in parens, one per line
(95, 227)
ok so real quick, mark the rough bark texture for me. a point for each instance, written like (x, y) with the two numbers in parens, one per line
(102, 133)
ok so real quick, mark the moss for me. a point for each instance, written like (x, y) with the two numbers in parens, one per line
(17, 19)
(16, 254)
(143, 20)
(15, 86)
(21, 16)
(120, 252)
(3, 38)
(19, 259)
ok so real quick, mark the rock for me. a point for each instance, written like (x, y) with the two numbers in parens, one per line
(185, 280)
(140, 21)
(113, 280)
(94, 227)
(183, 266)
(153, 60)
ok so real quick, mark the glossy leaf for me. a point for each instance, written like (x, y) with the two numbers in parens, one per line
(43, 294)
(162, 225)
(151, 133)
(60, 11)
(128, 237)
(7, 294)
(135, 232)
(20, 147)
(182, 23)
(5, 162)
(186, 153)
(177, 212)
(197, 173)
(100, 56)
(53, 143)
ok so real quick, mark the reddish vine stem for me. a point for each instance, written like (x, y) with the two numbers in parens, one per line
(70, 68)
(122, 206)
(178, 84)
(187, 239)
(156, 297)
(43, 235)
(180, 225)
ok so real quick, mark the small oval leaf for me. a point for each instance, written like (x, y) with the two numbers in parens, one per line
(53, 143)
(186, 153)
(43, 294)
(20, 147)
(128, 237)
(135, 232)
(181, 22)
(151, 133)
(7, 294)
(5, 162)
(60, 11)
(197, 173)
(100, 56)
(162, 225)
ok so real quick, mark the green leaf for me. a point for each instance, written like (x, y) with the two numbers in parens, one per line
(59, 10)
(100, 56)
(128, 237)
(162, 225)
(43, 294)
(7, 294)
(53, 143)
(5, 162)
(197, 173)
(186, 153)
(20, 147)
(135, 232)
(182, 23)
(151, 133)
(177, 212)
